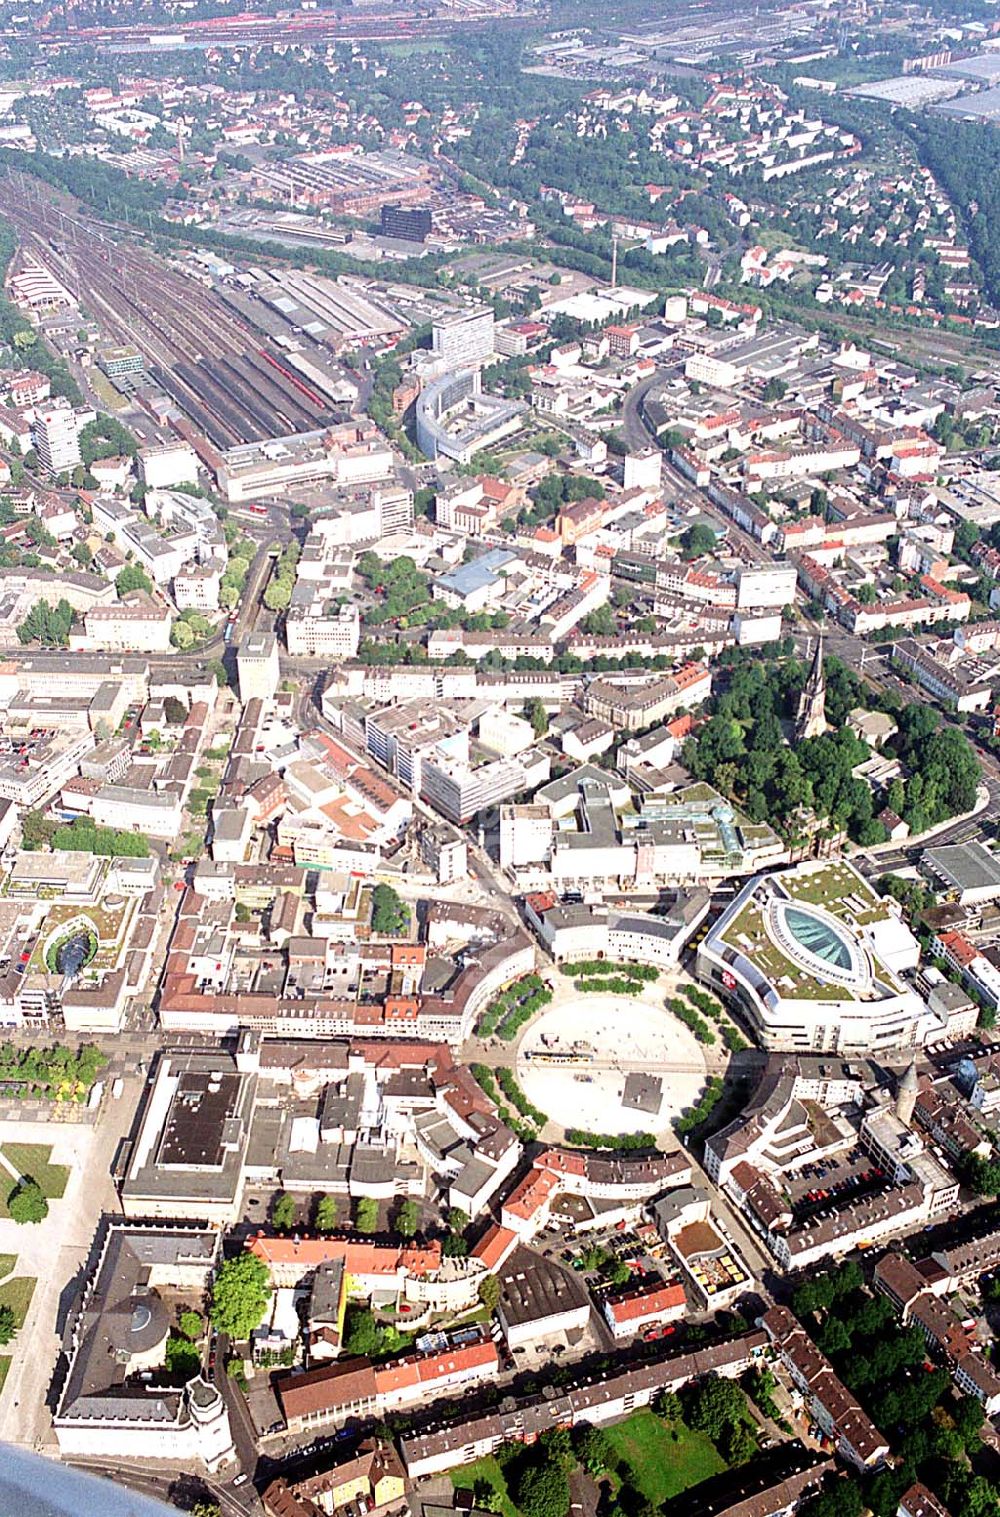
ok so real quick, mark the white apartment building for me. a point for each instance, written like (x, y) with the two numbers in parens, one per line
(156, 813)
(504, 733)
(642, 470)
(196, 587)
(142, 626)
(57, 437)
(464, 339)
(310, 630)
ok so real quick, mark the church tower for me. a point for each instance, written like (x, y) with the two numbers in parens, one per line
(810, 719)
(907, 1090)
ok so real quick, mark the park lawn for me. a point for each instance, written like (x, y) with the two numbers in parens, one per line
(465, 1477)
(5, 1364)
(34, 1159)
(17, 1293)
(662, 1468)
(7, 1262)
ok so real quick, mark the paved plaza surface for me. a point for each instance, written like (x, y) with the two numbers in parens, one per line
(611, 1063)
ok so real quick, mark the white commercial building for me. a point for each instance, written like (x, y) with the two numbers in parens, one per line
(769, 585)
(464, 338)
(57, 437)
(812, 958)
(168, 464)
(257, 667)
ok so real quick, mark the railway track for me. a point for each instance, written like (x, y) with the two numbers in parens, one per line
(216, 367)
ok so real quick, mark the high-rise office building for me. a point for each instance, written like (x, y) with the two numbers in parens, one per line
(57, 437)
(257, 666)
(463, 339)
(411, 223)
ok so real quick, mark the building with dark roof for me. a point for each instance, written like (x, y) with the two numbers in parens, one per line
(594, 1398)
(538, 1299)
(115, 1399)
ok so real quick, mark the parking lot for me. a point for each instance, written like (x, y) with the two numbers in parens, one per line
(830, 1184)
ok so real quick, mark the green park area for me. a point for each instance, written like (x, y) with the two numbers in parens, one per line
(31, 1161)
(663, 1459)
(647, 1458)
(16, 1292)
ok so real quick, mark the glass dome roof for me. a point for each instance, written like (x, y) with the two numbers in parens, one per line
(818, 937)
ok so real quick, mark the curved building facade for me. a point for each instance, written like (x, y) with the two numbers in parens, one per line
(814, 961)
(456, 420)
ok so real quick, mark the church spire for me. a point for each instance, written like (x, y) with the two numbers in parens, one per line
(810, 719)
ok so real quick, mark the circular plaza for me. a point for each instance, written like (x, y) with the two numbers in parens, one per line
(610, 1063)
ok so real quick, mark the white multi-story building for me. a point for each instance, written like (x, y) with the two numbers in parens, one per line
(57, 437)
(142, 626)
(459, 790)
(258, 667)
(768, 585)
(352, 454)
(463, 339)
(168, 464)
(196, 587)
(642, 469)
(525, 835)
(309, 630)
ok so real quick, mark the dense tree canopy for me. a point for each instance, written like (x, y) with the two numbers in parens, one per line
(743, 750)
(240, 1295)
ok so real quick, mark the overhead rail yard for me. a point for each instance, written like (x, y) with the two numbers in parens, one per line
(226, 378)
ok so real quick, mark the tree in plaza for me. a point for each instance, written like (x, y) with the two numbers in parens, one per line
(361, 1332)
(697, 541)
(407, 1219)
(190, 1324)
(240, 1295)
(840, 1497)
(366, 1215)
(283, 1212)
(131, 577)
(969, 1418)
(27, 1202)
(487, 1497)
(8, 1324)
(181, 1358)
(325, 1219)
(489, 1292)
(737, 1444)
(389, 914)
(538, 717)
(668, 1406)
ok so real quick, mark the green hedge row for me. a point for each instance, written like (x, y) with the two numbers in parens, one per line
(686, 1014)
(604, 966)
(701, 1113)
